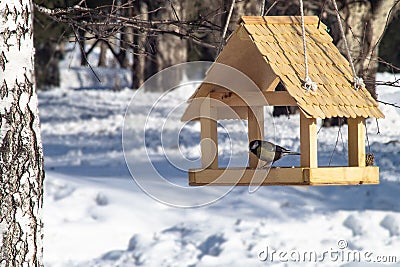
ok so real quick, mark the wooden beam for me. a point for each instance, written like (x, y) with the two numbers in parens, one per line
(343, 175)
(192, 112)
(245, 176)
(356, 143)
(285, 176)
(269, 98)
(255, 130)
(308, 142)
(232, 113)
(208, 135)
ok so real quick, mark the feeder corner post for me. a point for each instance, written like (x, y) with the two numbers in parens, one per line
(255, 116)
(308, 142)
(356, 141)
(208, 135)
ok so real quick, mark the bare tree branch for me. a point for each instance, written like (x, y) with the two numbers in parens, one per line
(106, 24)
(390, 104)
(228, 19)
(395, 7)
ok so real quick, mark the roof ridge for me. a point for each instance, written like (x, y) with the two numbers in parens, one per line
(278, 19)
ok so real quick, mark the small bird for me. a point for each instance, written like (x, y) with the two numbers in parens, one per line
(269, 152)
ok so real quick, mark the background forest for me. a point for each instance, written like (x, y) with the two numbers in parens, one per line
(145, 51)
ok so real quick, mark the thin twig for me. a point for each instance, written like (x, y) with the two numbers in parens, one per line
(320, 14)
(84, 54)
(174, 10)
(262, 7)
(226, 27)
(387, 103)
(269, 9)
(393, 67)
(386, 25)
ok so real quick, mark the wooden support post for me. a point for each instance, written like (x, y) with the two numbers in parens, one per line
(209, 136)
(308, 142)
(255, 130)
(356, 143)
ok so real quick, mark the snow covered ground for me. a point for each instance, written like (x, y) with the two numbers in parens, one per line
(96, 215)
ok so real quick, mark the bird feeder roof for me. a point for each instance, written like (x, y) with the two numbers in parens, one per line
(269, 50)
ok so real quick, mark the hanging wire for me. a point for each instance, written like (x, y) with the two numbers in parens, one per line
(369, 157)
(366, 134)
(308, 83)
(334, 149)
(377, 126)
(320, 128)
(358, 81)
(339, 134)
(287, 112)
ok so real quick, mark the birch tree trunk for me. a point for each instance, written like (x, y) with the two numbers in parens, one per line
(21, 156)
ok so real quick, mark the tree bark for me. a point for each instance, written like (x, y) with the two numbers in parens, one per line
(46, 65)
(167, 43)
(82, 46)
(124, 40)
(366, 22)
(123, 48)
(103, 54)
(139, 42)
(21, 156)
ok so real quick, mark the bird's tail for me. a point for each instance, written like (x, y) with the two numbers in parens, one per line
(291, 153)
(286, 151)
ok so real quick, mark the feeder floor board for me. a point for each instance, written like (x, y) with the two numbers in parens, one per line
(285, 176)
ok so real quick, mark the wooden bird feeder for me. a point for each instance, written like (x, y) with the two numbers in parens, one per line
(269, 51)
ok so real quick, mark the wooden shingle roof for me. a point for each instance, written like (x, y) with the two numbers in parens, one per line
(271, 47)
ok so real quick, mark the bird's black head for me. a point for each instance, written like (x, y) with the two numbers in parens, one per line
(254, 145)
